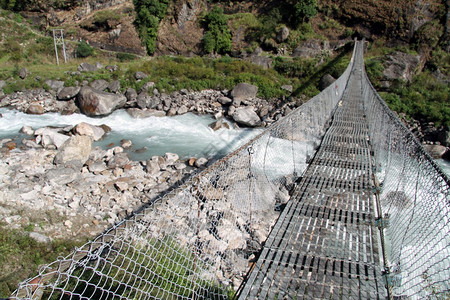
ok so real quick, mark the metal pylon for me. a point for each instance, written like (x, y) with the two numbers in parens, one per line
(58, 39)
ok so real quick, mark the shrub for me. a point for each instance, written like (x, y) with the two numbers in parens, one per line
(149, 14)
(217, 38)
(125, 57)
(84, 50)
(304, 10)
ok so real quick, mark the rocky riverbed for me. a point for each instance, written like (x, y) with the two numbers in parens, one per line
(57, 182)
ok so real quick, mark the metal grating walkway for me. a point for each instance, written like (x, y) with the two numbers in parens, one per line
(325, 244)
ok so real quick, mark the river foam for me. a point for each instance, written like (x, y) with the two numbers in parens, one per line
(187, 135)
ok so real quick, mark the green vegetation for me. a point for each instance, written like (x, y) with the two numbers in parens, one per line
(217, 38)
(84, 50)
(305, 10)
(20, 256)
(149, 14)
(160, 267)
(425, 98)
(175, 73)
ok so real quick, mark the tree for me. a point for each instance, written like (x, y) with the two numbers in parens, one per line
(218, 36)
(304, 10)
(149, 14)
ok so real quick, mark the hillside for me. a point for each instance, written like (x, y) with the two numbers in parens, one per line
(408, 39)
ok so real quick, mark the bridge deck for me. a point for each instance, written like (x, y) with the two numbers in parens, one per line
(325, 244)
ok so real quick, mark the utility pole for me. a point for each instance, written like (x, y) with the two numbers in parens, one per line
(58, 39)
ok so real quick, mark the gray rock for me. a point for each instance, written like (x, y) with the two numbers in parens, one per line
(399, 65)
(49, 136)
(121, 186)
(68, 93)
(147, 86)
(118, 161)
(27, 130)
(200, 162)
(86, 67)
(171, 158)
(97, 103)
(263, 61)
(436, 151)
(99, 84)
(145, 113)
(224, 100)
(131, 95)
(23, 73)
(140, 75)
(35, 109)
(112, 68)
(244, 91)
(154, 102)
(126, 143)
(152, 167)
(76, 149)
(55, 85)
(95, 132)
(287, 87)
(143, 100)
(114, 86)
(308, 49)
(326, 81)
(2, 84)
(182, 110)
(30, 143)
(444, 137)
(283, 34)
(62, 175)
(246, 116)
(97, 167)
(40, 238)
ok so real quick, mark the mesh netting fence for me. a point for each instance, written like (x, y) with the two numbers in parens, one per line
(198, 241)
(415, 200)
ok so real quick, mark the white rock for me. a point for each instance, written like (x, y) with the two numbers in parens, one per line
(121, 186)
(27, 130)
(93, 131)
(68, 224)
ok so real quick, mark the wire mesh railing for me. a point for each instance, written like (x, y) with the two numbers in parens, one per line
(414, 195)
(198, 241)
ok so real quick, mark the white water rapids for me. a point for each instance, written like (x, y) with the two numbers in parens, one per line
(187, 135)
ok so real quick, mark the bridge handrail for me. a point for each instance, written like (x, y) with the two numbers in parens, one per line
(414, 194)
(196, 241)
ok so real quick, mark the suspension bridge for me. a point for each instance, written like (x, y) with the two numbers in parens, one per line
(338, 200)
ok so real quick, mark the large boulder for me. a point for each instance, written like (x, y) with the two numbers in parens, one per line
(75, 150)
(436, 151)
(23, 73)
(55, 85)
(310, 48)
(283, 34)
(86, 67)
(99, 84)
(97, 103)
(96, 132)
(244, 91)
(68, 92)
(50, 137)
(400, 65)
(263, 61)
(35, 109)
(326, 81)
(246, 116)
